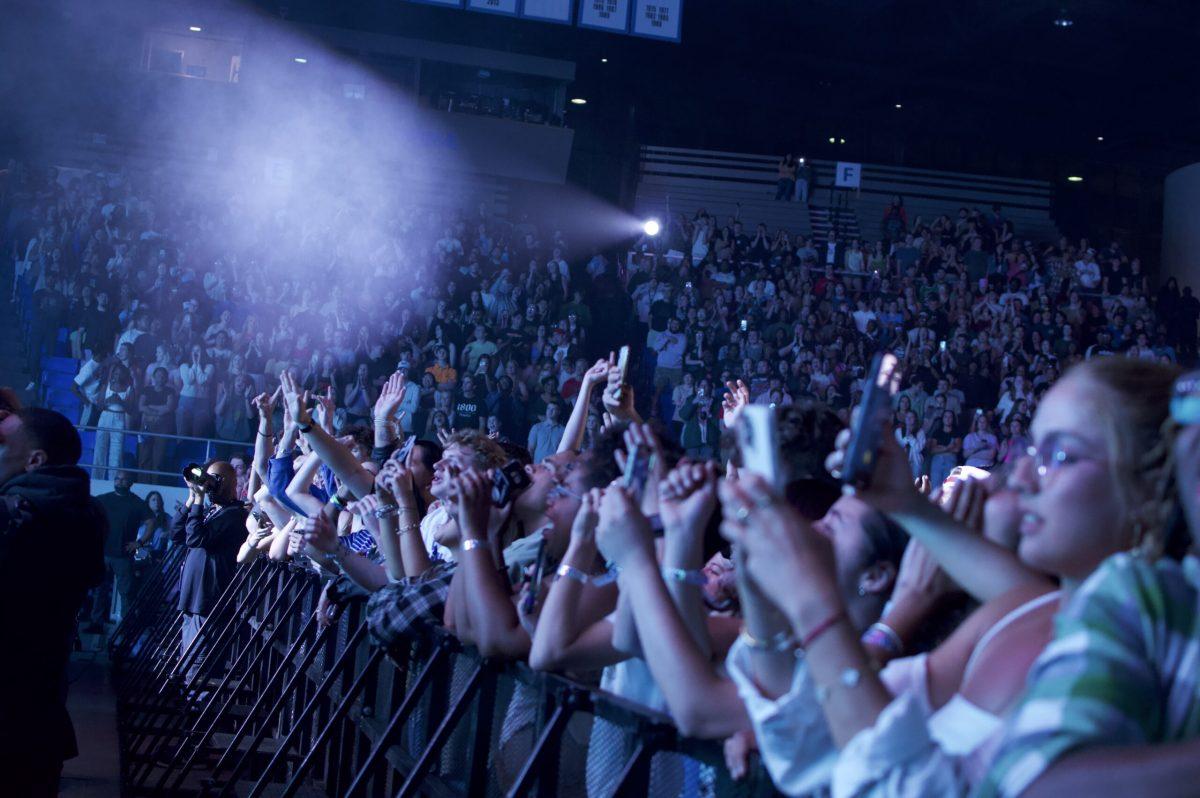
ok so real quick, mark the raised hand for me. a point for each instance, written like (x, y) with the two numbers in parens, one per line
(295, 401)
(737, 398)
(325, 410)
(395, 480)
(319, 533)
(390, 398)
(473, 496)
(688, 497)
(891, 488)
(583, 528)
(623, 534)
(784, 556)
(598, 373)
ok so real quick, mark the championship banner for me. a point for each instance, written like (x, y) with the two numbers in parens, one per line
(658, 19)
(609, 15)
(547, 10)
(494, 6)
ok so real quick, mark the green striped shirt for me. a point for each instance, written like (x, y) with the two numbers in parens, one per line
(1123, 669)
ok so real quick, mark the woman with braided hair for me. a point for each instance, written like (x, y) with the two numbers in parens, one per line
(1090, 486)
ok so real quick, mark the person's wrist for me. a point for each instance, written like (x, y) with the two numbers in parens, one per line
(808, 608)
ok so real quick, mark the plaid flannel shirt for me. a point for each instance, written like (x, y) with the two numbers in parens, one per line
(395, 608)
(1123, 669)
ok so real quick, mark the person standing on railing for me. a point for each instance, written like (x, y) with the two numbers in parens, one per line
(45, 501)
(213, 531)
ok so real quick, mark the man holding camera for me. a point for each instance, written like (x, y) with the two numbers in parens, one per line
(213, 531)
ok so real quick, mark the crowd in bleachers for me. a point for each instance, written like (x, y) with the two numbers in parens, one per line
(873, 642)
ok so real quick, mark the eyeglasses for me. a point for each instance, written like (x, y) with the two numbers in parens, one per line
(561, 491)
(1057, 452)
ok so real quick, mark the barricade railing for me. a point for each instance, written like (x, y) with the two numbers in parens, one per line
(267, 701)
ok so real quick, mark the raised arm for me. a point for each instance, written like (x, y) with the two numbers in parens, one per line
(572, 439)
(981, 567)
(338, 457)
(496, 626)
(701, 702)
(572, 632)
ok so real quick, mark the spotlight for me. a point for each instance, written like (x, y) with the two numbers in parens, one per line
(833, 140)
(898, 106)
(1063, 20)
(603, 60)
(300, 60)
(578, 101)
(1074, 179)
(841, 141)
(1099, 138)
(651, 227)
(195, 28)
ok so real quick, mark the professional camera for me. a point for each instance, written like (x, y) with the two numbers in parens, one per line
(195, 475)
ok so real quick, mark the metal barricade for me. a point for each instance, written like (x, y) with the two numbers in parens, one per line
(280, 706)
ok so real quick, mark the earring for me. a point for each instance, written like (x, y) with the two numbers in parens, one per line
(862, 591)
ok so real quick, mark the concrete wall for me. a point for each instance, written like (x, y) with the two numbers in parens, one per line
(1181, 226)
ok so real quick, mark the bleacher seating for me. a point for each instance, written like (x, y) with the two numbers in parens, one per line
(683, 180)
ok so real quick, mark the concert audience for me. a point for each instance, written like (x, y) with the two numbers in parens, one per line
(430, 439)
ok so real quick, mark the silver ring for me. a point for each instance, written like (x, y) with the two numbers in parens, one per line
(742, 514)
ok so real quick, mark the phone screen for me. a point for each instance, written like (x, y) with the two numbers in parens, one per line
(637, 471)
(758, 441)
(882, 382)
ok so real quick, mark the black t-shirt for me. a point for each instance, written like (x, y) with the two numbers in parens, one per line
(467, 412)
(126, 513)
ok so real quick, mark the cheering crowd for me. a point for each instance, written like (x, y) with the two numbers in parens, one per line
(1007, 601)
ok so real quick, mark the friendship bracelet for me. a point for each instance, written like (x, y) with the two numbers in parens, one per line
(404, 530)
(778, 642)
(883, 636)
(385, 510)
(685, 576)
(571, 572)
(821, 628)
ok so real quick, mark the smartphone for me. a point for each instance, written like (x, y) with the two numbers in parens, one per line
(535, 583)
(758, 441)
(745, 325)
(623, 367)
(942, 346)
(637, 471)
(882, 382)
(405, 449)
(508, 481)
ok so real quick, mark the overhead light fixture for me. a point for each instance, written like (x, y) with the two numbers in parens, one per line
(841, 141)
(1099, 138)
(1074, 179)
(603, 60)
(898, 105)
(195, 28)
(833, 140)
(300, 60)
(1063, 20)
(578, 101)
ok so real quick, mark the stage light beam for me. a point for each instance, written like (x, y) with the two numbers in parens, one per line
(651, 227)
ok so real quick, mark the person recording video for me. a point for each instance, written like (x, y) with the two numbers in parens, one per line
(212, 524)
